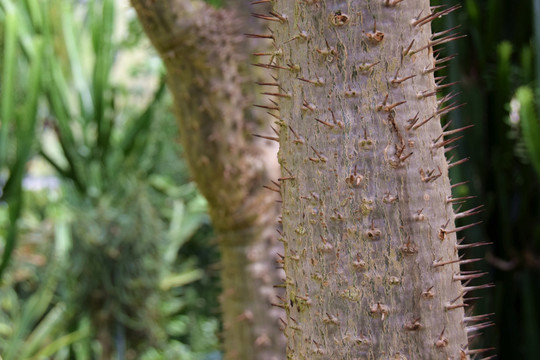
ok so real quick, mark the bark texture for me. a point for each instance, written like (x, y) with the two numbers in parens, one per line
(208, 73)
(371, 258)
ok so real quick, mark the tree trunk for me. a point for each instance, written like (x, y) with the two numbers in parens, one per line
(209, 76)
(371, 260)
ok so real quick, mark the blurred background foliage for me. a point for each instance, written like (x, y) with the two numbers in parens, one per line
(112, 254)
(112, 245)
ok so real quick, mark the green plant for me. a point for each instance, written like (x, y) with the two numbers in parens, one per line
(33, 321)
(530, 126)
(19, 103)
(38, 317)
(114, 160)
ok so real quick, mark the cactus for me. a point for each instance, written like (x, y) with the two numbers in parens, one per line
(372, 259)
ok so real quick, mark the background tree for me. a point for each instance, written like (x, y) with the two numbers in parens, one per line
(371, 255)
(213, 85)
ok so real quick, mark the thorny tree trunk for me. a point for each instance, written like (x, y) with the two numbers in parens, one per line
(372, 262)
(208, 73)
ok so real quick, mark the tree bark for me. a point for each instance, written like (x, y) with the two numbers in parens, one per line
(208, 73)
(371, 258)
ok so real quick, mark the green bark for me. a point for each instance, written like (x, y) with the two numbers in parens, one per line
(371, 258)
(208, 73)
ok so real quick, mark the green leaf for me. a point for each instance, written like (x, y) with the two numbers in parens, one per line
(24, 126)
(8, 76)
(102, 30)
(74, 54)
(44, 329)
(25, 129)
(143, 122)
(61, 343)
(177, 280)
(530, 126)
